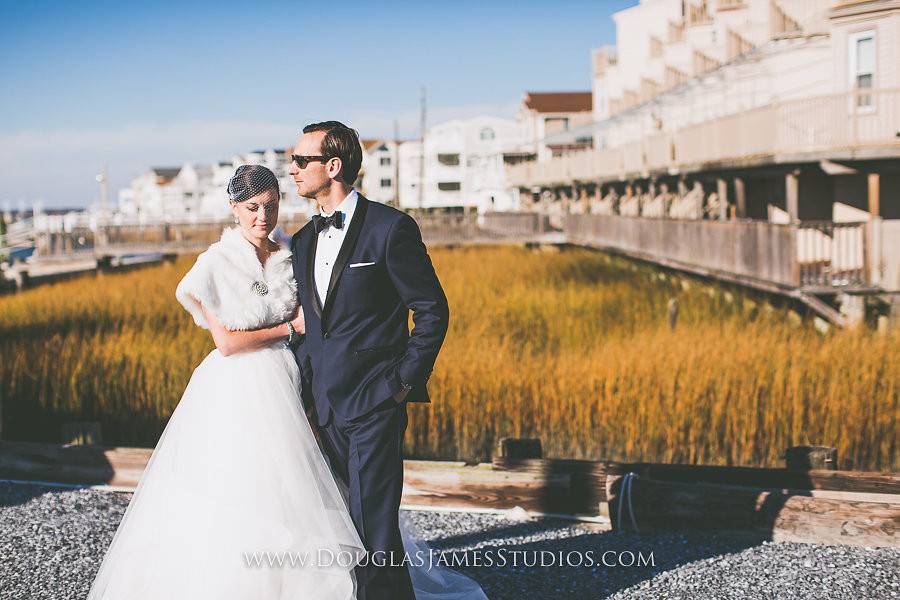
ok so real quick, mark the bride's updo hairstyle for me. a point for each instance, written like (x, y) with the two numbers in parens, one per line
(250, 180)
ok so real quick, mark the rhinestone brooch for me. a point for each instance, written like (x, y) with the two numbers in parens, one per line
(260, 288)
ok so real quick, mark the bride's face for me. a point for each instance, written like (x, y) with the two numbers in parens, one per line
(257, 215)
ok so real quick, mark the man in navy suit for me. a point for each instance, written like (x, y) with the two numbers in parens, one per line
(360, 268)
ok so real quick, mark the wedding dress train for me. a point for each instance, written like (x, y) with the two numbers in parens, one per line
(237, 493)
(237, 501)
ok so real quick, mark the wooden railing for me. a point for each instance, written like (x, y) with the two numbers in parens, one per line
(794, 17)
(751, 251)
(176, 238)
(854, 121)
(832, 254)
(516, 223)
(810, 256)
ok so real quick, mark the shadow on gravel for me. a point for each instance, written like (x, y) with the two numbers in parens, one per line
(36, 462)
(592, 565)
(21, 492)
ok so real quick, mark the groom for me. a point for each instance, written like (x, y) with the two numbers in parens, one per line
(360, 268)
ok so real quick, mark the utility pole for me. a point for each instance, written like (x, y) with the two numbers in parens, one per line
(396, 163)
(103, 180)
(422, 122)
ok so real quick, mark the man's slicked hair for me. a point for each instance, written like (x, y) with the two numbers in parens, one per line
(341, 142)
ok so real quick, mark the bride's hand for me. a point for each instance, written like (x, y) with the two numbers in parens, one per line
(298, 323)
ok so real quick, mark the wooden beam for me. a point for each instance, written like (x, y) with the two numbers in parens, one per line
(874, 195)
(784, 515)
(740, 197)
(722, 192)
(90, 465)
(123, 466)
(518, 448)
(823, 506)
(806, 458)
(857, 481)
(565, 487)
(792, 195)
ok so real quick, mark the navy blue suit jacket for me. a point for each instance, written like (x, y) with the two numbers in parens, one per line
(358, 351)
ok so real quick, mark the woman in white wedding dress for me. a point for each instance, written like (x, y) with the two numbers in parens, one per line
(237, 500)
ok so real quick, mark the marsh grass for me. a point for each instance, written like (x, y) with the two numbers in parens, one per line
(570, 346)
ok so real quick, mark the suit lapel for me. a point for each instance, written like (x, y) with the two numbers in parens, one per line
(313, 292)
(355, 227)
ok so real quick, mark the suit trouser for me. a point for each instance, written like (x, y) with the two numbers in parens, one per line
(366, 453)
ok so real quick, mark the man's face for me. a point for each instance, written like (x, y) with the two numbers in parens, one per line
(313, 180)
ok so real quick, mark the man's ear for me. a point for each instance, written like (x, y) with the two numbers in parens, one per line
(334, 167)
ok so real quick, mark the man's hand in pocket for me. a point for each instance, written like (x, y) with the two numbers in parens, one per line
(401, 395)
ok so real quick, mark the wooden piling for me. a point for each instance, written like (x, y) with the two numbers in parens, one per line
(806, 458)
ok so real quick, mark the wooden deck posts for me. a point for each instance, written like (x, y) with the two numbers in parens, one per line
(740, 198)
(792, 194)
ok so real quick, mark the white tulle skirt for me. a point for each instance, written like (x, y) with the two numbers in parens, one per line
(237, 501)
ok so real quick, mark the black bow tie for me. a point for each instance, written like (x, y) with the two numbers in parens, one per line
(322, 223)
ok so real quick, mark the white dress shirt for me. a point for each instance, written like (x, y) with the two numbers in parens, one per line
(329, 244)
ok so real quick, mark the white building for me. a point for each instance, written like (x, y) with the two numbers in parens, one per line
(543, 115)
(463, 165)
(772, 107)
(678, 63)
(198, 191)
(152, 195)
(378, 175)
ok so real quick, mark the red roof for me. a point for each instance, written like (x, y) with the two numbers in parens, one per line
(559, 102)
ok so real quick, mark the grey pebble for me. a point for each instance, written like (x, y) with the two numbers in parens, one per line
(52, 540)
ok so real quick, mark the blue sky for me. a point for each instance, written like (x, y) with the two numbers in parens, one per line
(135, 85)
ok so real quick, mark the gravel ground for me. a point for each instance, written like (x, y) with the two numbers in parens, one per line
(52, 541)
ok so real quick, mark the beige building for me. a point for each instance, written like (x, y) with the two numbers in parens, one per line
(780, 117)
(785, 109)
(378, 175)
(544, 116)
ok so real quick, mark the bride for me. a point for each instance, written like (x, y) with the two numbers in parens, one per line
(237, 500)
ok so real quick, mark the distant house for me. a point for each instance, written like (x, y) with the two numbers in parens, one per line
(546, 117)
(199, 191)
(152, 194)
(378, 175)
(463, 165)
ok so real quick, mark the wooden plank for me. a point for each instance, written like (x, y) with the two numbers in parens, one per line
(832, 506)
(73, 464)
(784, 515)
(858, 481)
(97, 464)
(533, 484)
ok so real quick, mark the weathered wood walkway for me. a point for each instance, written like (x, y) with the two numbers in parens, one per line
(820, 506)
(805, 261)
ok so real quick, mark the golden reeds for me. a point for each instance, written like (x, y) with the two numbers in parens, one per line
(571, 347)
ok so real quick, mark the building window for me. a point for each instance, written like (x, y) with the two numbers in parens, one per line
(451, 160)
(487, 134)
(386, 183)
(555, 125)
(449, 186)
(862, 68)
(385, 161)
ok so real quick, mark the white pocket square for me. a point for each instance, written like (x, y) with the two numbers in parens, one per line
(366, 264)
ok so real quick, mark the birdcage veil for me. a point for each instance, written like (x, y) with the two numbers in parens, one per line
(250, 180)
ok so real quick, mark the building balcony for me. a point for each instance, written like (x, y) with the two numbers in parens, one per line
(861, 124)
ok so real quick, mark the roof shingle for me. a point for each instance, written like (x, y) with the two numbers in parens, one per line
(557, 102)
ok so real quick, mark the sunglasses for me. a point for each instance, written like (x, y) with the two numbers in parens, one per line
(303, 161)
